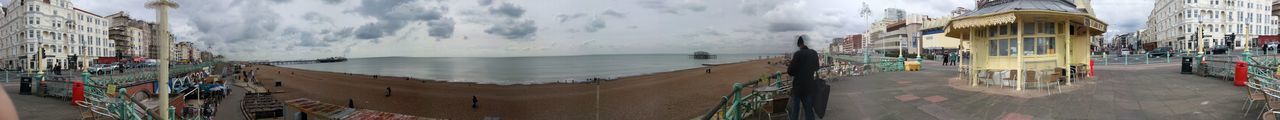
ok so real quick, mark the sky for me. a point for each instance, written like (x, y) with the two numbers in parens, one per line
(310, 29)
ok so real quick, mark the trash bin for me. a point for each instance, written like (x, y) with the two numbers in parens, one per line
(1186, 64)
(25, 86)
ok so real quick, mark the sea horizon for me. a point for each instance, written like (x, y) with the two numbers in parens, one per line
(525, 69)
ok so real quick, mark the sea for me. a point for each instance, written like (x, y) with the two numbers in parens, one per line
(523, 70)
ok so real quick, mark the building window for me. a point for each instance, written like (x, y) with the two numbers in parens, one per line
(1049, 28)
(1029, 28)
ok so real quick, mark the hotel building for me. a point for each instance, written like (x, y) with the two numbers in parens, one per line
(1176, 22)
(68, 36)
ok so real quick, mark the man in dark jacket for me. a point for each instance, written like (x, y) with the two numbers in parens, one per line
(804, 63)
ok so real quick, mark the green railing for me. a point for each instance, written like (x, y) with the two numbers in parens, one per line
(1136, 59)
(1261, 71)
(739, 104)
(749, 98)
(96, 89)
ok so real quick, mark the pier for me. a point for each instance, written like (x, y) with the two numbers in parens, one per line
(323, 60)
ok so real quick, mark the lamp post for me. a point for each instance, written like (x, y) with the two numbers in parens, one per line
(162, 74)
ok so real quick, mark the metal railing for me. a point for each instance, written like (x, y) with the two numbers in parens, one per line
(97, 89)
(750, 98)
(1136, 59)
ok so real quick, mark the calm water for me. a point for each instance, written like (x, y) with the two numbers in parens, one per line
(522, 70)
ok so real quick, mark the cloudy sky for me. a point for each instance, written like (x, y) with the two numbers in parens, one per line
(308, 29)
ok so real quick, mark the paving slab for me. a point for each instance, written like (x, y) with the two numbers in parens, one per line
(1120, 92)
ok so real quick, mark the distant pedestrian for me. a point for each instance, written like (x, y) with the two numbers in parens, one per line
(351, 103)
(946, 60)
(955, 59)
(475, 103)
(388, 92)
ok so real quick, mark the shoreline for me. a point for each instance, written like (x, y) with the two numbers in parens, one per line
(576, 81)
(678, 94)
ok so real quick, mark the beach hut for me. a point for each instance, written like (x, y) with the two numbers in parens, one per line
(1027, 42)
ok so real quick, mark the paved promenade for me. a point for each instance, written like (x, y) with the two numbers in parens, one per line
(40, 108)
(1120, 92)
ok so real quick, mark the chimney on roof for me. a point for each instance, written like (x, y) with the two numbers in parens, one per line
(1084, 5)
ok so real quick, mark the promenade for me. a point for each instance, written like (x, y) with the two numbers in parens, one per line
(1119, 92)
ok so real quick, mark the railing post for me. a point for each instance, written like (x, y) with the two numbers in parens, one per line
(1125, 58)
(1148, 57)
(1105, 61)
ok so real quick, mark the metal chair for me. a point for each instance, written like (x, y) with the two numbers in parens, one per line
(1254, 95)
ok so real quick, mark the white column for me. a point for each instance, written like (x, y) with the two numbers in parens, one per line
(1021, 71)
(162, 74)
(1066, 28)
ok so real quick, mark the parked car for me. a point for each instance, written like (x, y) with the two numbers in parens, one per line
(1160, 51)
(103, 68)
(1220, 49)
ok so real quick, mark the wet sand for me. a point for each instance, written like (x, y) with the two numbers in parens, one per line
(682, 94)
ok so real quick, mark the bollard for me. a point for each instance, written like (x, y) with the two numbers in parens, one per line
(1125, 58)
(1242, 73)
(1090, 68)
(1148, 61)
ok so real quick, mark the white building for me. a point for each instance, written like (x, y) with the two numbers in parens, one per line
(68, 35)
(133, 37)
(893, 14)
(1175, 22)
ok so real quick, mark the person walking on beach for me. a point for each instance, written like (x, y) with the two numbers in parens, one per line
(351, 103)
(388, 92)
(475, 103)
(804, 63)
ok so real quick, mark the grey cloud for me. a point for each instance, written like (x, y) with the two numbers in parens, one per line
(316, 18)
(378, 29)
(633, 27)
(514, 29)
(595, 25)
(332, 1)
(347, 32)
(485, 2)
(281, 1)
(566, 17)
(758, 7)
(673, 7)
(507, 9)
(789, 26)
(394, 15)
(256, 21)
(614, 14)
(710, 32)
(442, 28)
(308, 39)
